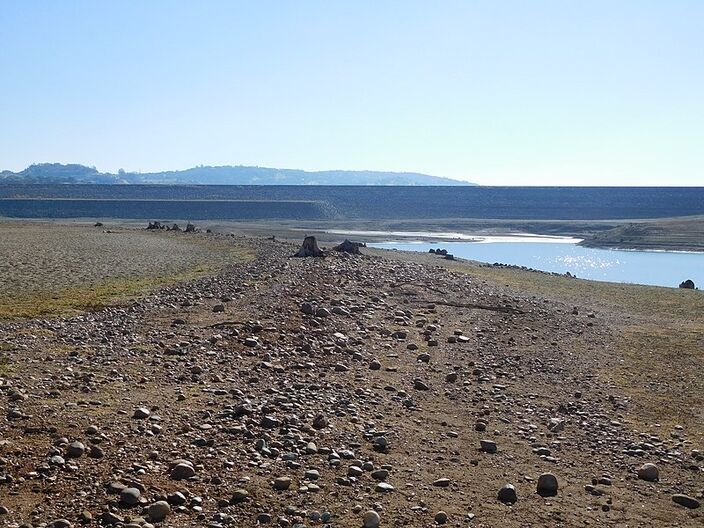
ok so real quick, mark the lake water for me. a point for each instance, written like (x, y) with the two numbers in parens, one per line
(659, 268)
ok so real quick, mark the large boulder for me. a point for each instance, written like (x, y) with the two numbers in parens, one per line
(687, 285)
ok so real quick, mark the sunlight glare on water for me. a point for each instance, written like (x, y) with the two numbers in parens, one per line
(660, 268)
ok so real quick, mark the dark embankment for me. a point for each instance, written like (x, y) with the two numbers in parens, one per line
(675, 234)
(148, 209)
(369, 202)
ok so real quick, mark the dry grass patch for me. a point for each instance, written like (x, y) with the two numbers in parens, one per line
(661, 370)
(66, 301)
(52, 270)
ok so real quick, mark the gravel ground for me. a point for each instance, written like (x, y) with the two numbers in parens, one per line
(344, 391)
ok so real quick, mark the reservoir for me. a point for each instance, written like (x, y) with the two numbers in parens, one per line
(658, 268)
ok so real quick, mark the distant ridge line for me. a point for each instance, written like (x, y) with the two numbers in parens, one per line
(57, 173)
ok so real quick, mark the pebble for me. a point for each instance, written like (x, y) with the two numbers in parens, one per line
(686, 501)
(141, 413)
(320, 422)
(420, 385)
(182, 471)
(507, 494)
(130, 496)
(649, 472)
(488, 446)
(239, 495)
(441, 517)
(264, 518)
(158, 511)
(547, 484)
(75, 450)
(282, 483)
(371, 519)
(95, 452)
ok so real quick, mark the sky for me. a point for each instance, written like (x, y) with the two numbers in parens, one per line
(496, 92)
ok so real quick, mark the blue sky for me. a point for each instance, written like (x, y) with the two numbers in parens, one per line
(496, 92)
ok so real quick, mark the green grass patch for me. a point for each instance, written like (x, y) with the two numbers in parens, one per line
(6, 367)
(74, 299)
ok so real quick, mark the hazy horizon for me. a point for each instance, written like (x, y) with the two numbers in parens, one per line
(504, 93)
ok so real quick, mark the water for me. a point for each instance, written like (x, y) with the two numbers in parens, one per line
(659, 268)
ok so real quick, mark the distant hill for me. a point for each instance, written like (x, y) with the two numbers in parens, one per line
(56, 173)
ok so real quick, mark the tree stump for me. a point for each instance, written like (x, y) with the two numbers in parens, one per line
(309, 248)
(348, 247)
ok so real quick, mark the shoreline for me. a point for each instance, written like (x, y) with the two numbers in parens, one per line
(679, 234)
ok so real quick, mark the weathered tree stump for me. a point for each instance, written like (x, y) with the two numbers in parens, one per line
(349, 247)
(688, 284)
(309, 248)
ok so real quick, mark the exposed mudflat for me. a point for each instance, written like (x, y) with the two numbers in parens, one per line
(309, 392)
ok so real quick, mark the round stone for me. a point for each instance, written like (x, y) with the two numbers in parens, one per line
(320, 422)
(141, 413)
(96, 452)
(649, 472)
(371, 519)
(264, 518)
(130, 496)
(158, 511)
(507, 494)
(547, 484)
(75, 450)
(282, 483)
(239, 495)
(182, 471)
(354, 471)
(441, 517)
(384, 487)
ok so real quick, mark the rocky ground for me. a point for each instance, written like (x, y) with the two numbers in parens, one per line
(348, 391)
